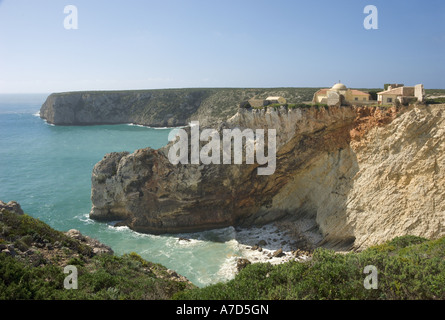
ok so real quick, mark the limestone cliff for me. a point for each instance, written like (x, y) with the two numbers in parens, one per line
(156, 108)
(357, 176)
(400, 186)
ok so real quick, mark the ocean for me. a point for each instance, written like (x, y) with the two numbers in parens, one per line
(47, 169)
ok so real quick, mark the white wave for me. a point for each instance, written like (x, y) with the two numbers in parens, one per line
(228, 269)
(137, 125)
(185, 242)
(85, 218)
(155, 128)
(49, 124)
(37, 114)
(120, 228)
(165, 128)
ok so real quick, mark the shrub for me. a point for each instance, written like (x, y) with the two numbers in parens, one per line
(440, 100)
(408, 268)
(40, 276)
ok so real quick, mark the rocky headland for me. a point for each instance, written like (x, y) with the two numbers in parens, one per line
(346, 177)
(156, 108)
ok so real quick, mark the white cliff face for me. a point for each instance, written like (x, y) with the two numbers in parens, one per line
(292, 122)
(400, 186)
(389, 183)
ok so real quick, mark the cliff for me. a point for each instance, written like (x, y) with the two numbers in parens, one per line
(156, 108)
(154, 196)
(355, 176)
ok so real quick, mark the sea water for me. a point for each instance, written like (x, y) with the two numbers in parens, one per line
(47, 169)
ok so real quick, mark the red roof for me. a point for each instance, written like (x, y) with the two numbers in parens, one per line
(359, 93)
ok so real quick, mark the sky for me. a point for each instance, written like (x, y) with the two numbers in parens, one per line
(122, 45)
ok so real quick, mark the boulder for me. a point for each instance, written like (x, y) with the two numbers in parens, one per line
(11, 206)
(97, 246)
(262, 243)
(241, 263)
(278, 254)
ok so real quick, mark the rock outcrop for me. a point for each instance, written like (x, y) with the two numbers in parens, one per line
(151, 195)
(97, 246)
(360, 176)
(11, 206)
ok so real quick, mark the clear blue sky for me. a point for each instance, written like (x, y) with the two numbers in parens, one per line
(219, 43)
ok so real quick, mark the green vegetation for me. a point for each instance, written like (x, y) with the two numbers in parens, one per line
(440, 100)
(435, 96)
(307, 105)
(373, 93)
(408, 268)
(33, 268)
(23, 230)
(302, 105)
(100, 278)
(435, 92)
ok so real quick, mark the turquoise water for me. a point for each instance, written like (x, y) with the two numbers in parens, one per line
(47, 169)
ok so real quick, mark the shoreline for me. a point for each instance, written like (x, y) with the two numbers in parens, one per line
(273, 243)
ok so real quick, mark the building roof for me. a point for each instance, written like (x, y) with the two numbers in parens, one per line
(322, 91)
(339, 86)
(359, 93)
(274, 98)
(395, 91)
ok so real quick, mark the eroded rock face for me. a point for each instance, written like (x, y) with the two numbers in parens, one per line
(358, 175)
(400, 187)
(156, 108)
(154, 196)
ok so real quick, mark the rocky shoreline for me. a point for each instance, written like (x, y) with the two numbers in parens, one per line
(274, 243)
